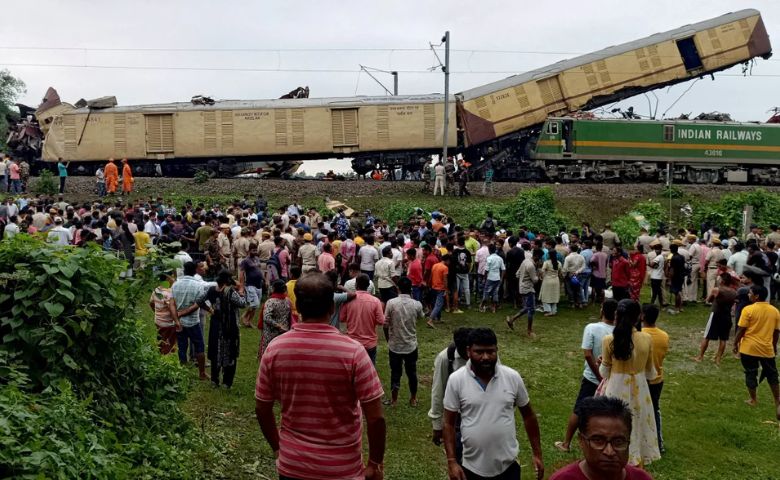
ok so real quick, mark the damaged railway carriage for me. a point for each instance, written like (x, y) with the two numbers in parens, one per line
(497, 124)
(573, 149)
(501, 120)
(232, 136)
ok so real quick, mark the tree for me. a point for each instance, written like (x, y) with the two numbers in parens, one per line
(10, 89)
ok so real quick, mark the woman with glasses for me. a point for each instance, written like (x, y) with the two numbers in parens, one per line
(627, 365)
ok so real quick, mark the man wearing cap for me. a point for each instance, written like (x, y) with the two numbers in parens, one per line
(440, 182)
(59, 235)
(711, 263)
(241, 246)
(223, 242)
(694, 251)
(307, 254)
(644, 239)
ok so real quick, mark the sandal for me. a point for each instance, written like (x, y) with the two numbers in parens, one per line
(561, 448)
(510, 323)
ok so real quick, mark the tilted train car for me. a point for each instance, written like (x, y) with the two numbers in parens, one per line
(229, 136)
(498, 121)
(575, 149)
(615, 73)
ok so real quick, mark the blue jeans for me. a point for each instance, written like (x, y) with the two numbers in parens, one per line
(491, 290)
(372, 355)
(101, 189)
(529, 305)
(417, 293)
(192, 335)
(584, 285)
(16, 186)
(439, 305)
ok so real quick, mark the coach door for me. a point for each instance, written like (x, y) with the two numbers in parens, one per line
(345, 130)
(159, 135)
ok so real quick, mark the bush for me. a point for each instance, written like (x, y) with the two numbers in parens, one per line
(68, 326)
(202, 176)
(46, 184)
(647, 214)
(727, 212)
(535, 208)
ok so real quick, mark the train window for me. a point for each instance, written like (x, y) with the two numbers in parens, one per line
(690, 54)
(668, 133)
(552, 128)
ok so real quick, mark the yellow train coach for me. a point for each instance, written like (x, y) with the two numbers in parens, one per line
(617, 72)
(230, 135)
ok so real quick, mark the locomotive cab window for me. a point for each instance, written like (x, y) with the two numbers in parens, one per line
(552, 128)
(668, 133)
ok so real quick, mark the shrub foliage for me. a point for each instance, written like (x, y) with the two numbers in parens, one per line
(76, 370)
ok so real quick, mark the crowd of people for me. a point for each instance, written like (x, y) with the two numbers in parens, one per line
(318, 285)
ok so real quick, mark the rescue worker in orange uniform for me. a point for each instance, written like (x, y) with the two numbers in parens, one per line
(111, 175)
(127, 178)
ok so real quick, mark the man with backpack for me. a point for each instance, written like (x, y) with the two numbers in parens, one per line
(447, 361)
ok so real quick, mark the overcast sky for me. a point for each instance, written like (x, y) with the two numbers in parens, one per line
(321, 44)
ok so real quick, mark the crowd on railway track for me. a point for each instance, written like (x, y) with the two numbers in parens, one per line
(318, 286)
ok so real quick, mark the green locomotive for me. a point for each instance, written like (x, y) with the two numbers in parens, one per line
(587, 149)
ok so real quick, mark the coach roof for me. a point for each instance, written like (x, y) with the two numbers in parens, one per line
(563, 65)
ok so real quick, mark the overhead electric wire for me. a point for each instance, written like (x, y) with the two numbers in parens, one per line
(308, 49)
(310, 70)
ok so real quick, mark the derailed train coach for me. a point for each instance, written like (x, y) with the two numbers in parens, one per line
(500, 117)
(496, 124)
(229, 137)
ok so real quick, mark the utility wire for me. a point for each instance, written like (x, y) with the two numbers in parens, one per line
(323, 49)
(315, 70)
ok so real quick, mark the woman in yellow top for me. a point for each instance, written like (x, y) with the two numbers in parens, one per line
(627, 364)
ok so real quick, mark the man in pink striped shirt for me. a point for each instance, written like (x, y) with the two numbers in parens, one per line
(323, 381)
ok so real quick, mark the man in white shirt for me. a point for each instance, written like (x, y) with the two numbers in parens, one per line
(59, 235)
(738, 259)
(494, 275)
(446, 363)
(656, 261)
(11, 229)
(485, 394)
(592, 338)
(151, 226)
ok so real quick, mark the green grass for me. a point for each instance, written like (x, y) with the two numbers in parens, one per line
(709, 432)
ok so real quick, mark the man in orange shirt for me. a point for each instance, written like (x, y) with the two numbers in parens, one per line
(127, 178)
(756, 341)
(439, 273)
(112, 176)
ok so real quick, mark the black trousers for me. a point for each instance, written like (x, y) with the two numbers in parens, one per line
(228, 374)
(620, 293)
(655, 396)
(407, 361)
(62, 184)
(511, 473)
(655, 287)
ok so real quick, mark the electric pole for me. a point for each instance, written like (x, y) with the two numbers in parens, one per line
(446, 68)
(395, 83)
